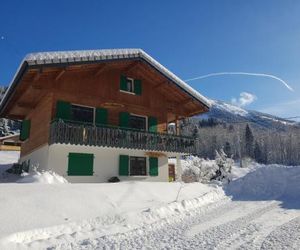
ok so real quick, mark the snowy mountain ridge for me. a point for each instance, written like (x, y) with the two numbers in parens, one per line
(228, 113)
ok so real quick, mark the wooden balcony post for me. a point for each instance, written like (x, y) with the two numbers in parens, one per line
(177, 126)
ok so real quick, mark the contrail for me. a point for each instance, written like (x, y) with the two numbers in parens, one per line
(242, 73)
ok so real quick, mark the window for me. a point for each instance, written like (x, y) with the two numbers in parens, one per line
(137, 122)
(82, 113)
(129, 85)
(138, 166)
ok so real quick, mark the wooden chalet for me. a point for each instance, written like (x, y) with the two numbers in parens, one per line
(92, 115)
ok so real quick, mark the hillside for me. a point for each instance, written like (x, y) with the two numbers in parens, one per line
(243, 133)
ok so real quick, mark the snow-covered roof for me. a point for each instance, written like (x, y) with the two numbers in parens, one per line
(77, 56)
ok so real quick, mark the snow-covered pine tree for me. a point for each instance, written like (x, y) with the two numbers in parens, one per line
(224, 164)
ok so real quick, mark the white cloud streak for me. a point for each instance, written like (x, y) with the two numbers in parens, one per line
(244, 99)
(243, 73)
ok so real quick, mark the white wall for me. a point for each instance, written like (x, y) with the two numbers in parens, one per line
(38, 158)
(106, 163)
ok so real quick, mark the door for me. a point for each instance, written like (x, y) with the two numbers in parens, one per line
(171, 172)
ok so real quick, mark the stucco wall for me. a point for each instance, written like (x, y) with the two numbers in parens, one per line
(106, 163)
(38, 158)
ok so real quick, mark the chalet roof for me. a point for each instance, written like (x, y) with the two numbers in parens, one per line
(89, 56)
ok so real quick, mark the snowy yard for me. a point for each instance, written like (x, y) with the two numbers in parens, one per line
(259, 209)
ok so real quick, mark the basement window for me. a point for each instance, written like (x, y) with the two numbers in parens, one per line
(138, 166)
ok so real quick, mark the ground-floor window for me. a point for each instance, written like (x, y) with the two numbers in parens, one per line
(138, 166)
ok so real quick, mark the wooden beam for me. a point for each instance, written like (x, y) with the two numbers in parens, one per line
(16, 117)
(100, 69)
(60, 74)
(131, 66)
(187, 101)
(26, 105)
(159, 84)
(40, 87)
(37, 75)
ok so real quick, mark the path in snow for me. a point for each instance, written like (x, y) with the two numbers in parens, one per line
(222, 225)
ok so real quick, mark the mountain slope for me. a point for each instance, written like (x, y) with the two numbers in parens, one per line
(226, 113)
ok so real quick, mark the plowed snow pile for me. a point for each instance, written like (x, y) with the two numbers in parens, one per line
(272, 182)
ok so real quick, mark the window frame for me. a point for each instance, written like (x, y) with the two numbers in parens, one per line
(146, 166)
(143, 116)
(132, 82)
(85, 106)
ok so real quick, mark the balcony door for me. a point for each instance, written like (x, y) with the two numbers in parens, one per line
(138, 122)
(82, 113)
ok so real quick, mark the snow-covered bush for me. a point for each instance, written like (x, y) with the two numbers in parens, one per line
(197, 169)
(224, 166)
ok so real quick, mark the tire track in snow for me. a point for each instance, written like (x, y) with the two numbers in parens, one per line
(255, 233)
(172, 236)
(286, 236)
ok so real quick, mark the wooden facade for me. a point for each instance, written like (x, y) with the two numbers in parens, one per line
(96, 85)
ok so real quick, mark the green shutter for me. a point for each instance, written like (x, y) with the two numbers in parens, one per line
(153, 166)
(63, 110)
(124, 119)
(25, 130)
(124, 165)
(152, 124)
(101, 116)
(80, 164)
(138, 87)
(123, 83)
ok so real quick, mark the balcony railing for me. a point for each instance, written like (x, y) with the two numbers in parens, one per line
(66, 132)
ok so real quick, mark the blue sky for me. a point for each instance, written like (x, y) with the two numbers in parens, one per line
(191, 38)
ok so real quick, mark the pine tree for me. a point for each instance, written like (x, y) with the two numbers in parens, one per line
(227, 149)
(258, 153)
(249, 142)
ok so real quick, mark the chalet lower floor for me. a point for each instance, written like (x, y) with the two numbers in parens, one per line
(79, 163)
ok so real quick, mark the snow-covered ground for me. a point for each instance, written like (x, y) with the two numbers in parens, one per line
(259, 209)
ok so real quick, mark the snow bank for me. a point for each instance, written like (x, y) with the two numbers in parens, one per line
(107, 206)
(7, 158)
(45, 177)
(271, 182)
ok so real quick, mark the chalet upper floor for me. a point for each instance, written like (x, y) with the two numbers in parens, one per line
(57, 92)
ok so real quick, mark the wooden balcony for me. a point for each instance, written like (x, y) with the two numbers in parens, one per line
(64, 132)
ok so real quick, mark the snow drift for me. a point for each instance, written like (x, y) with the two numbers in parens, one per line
(271, 182)
(46, 177)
